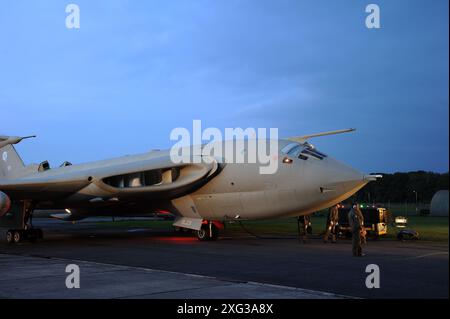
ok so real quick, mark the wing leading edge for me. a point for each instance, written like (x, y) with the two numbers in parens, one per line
(130, 177)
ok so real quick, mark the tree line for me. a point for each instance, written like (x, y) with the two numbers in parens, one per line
(403, 187)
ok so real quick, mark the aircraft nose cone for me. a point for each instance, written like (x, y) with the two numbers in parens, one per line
(344, 178)
(340, 172)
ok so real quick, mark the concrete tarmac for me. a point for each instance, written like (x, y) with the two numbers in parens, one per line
(128, 262)
(26, 277)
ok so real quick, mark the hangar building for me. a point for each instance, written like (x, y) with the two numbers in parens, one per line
(439, 204)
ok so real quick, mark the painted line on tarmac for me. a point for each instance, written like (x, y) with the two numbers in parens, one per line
(428, 255)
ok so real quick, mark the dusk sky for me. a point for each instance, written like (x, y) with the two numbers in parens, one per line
(135, 70)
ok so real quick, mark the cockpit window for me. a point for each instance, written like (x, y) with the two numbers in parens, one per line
(303, 157)
(289, 147)
(302, 151)
(313, 152)
(295, 151)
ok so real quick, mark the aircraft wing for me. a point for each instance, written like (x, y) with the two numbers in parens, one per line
(129, 177)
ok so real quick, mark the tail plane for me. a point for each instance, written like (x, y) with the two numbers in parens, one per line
(10, 161)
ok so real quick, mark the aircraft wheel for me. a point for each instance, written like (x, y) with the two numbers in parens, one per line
(203, 233)
(10, 236)
(215, 232)
(17, 236)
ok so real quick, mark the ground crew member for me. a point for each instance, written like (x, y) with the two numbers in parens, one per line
(304, 227)
(356, 222)
(332, 221)
(363, 232)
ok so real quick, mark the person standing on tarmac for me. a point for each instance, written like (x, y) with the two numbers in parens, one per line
(356, 222)
(332, 221)
(363, 232)
(304, 226)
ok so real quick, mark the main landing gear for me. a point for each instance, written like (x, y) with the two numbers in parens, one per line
(27, 231)
(15, 236)
(209, 230)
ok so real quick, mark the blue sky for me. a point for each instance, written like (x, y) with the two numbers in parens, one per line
(137, 69)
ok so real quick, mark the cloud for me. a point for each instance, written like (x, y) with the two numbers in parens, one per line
(139, 69)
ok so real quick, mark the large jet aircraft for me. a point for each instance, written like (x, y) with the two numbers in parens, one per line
(202, 196)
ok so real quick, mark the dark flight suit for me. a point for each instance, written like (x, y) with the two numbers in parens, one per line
(363, 230)
(356, 222)
(332, 221)
(305, 223)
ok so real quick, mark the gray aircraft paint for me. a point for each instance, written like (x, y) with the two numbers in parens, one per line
(218, 190)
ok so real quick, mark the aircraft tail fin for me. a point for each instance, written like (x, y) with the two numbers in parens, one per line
(10, 161)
